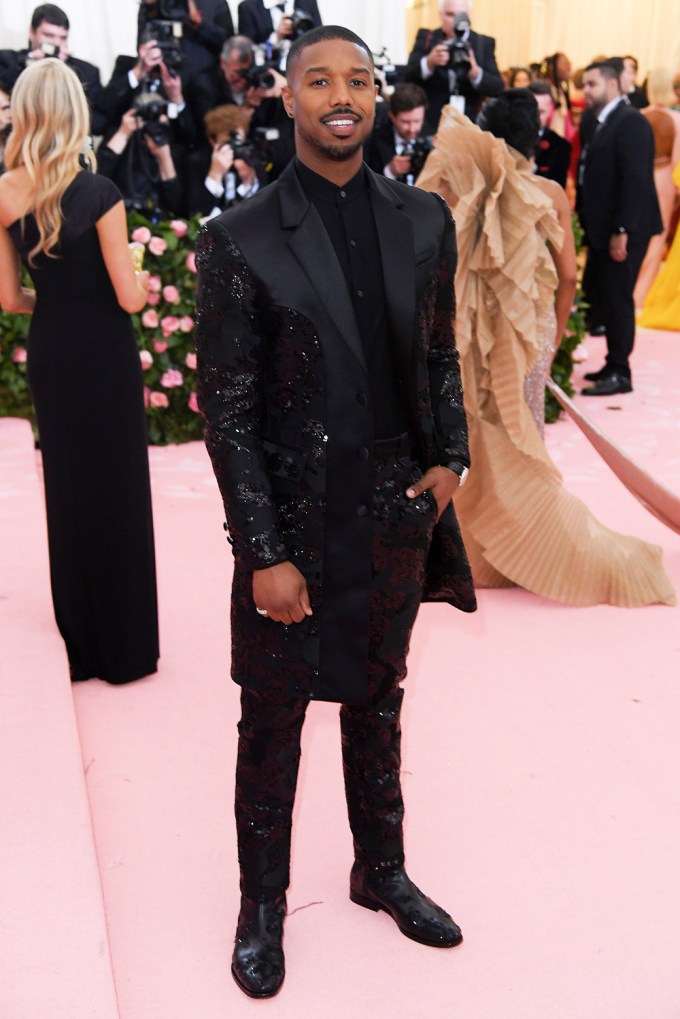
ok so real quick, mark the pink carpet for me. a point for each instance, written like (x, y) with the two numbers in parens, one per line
(540, 770)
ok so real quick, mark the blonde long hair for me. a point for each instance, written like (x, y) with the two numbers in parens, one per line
(50, 131)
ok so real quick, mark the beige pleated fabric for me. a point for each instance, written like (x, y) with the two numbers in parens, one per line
(519, 524)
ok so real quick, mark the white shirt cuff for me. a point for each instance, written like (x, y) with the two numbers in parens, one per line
(214, 187)
(425, 71)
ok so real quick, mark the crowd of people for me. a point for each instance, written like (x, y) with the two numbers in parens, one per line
(342, 414)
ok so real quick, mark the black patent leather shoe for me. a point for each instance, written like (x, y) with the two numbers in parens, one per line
(597, 330)
(608, 385)
(416, 915)
(258, 965)
(596, 376)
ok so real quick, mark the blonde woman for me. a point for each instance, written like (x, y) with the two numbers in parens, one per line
(67, 226)
(665, 122)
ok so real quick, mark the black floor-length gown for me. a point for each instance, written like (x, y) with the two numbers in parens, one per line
(86, 380)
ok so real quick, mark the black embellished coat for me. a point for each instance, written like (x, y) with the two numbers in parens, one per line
(284, 387)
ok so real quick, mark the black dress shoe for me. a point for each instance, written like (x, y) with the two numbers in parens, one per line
(609, 384)
(258, 966)
(416, 915)
(596, 376)
(598, 330)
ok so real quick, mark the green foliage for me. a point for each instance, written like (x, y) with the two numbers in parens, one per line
(574, 333)
(164, 332)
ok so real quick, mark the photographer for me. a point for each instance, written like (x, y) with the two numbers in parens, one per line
(240, 81)
(454, 64)
(205, 26)
(276, 22)
(399, 147)
(230, 169)
(48, 37)
(133, 76)
(139, 158)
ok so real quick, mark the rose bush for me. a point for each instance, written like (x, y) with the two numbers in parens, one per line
(164, 330)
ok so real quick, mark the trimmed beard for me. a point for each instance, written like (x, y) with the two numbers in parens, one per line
(338, 153)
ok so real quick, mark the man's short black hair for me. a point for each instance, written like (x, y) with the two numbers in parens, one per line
(540, 88)
(513, 116)
(407, 96)
(610, 68)
(325, 33)
(50, 13)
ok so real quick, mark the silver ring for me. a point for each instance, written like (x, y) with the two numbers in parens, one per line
(261, 612)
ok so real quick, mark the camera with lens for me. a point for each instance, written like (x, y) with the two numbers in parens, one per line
(242, 148)
(418, 150)
(392, 74)
(150, 107)
(459, 53)
(302, 22)
(260, 73)
(168, 36)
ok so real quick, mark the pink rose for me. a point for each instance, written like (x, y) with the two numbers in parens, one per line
(146, 396)
(190, 360)
(179, 227)
(190, 261)
(146, 359)
(171, 378)
(169, 325)
(171, 294)
(157, 246)
(142, 235)
(192, 403)
(154, 284)
(160, 346)
(158, 400)
(19, 355)
(150, 319)
(153, 299)
(186, 323)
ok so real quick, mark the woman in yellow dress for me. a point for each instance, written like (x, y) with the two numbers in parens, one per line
(519, 524)
(661, 309)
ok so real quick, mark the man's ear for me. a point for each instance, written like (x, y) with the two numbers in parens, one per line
(287, 97)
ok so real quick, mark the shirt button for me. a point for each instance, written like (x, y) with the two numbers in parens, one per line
(362, 511)
(352, 244)
(343, 194)
(360, 293)
(362, 398)
(363, 452)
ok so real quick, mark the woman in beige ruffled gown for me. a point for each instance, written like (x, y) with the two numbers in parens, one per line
(519, 524)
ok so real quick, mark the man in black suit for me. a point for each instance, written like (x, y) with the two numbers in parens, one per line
(205, 28)
(429, 64)
(619, 212)
(553, 153)
(48, 36)
(330, 383)
(271, 21)
(629, 87)
(390, 148)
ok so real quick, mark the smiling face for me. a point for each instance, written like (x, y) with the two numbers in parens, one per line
(331, 96)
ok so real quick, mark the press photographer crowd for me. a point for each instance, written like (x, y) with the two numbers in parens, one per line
(194, 122)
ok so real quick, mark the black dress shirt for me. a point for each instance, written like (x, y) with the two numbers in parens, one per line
(348, 218)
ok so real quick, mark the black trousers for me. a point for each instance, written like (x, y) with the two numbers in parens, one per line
(609, 287)
(271, 722)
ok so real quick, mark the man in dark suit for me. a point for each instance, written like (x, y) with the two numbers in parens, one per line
(48, 36)
(330, 383)
(619, 212)
(390, 148)
(205, 28)
(429, 64)
(271, 21)
(553, 153)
